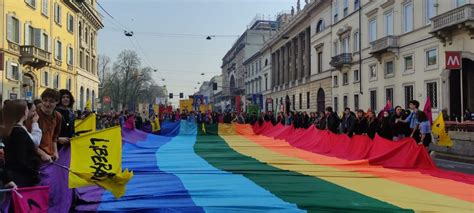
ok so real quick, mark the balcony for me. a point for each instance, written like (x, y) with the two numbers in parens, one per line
(341, 60)
(34, 56)
(461, 18)
(384, 45)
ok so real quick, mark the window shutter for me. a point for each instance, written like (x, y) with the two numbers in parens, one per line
(27, 34)
(9, 70)
(9, 28)
(37, 37)
(20, 73)
(19, 32)
(59, 14)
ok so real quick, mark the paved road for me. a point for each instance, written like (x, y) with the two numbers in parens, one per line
(455, 166)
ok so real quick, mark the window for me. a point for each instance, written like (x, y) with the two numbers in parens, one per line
(335, 12)
(69, 84)
(45, 43)
(373, 100)
(408, 62)
(87, 63)
(45, 8)
(320, 26)
(459, 2)
(307, 100)
(45, 78)
(58, 50)
(430, 10)
(336, 105)
(13, 32)
(335, 81)
(408, 90)
(372, 30)
(13, 72)
(356, 41)
(32, 3)
(356, 101)
(266, 82)
(356, 4)
(301, 100)
(81, 59)
(408, 17)
(320, 61)
(70, 56)
(70, 23)
(389, 70)
(388, 19)
(345, 45)
(432, 93)
(346, 8)
(335, 48)
(431, 57)
(86, 35)
(389, 95)
(293, 102)
(80, 31)
(345, 101)
(29, 35)
(373, 71)
(345, 78)
(57, 13)
(56, 82)
(356, 76)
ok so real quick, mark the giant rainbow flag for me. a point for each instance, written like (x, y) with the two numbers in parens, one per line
(262, 168)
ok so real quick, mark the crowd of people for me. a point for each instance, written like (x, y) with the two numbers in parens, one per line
(34, 133)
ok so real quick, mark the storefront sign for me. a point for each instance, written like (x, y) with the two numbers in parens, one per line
(453, 60)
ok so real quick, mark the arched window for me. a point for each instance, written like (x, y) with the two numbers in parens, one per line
(320, 26)
(93, 100)
(321, 100)
(81, 96)
(88, 95)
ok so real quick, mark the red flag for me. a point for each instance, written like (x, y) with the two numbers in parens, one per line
(237, 104)
(427, 110)
(31, 199)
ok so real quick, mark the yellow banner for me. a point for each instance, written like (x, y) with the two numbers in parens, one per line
(156, 109)
(439, 131)
(96, 159)
(186, 105)
(87, 125)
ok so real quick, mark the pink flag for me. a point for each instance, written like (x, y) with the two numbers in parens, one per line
(31, 199)
(427, 110)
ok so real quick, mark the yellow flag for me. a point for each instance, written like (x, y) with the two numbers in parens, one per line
(439, 131)
(156, 109)
(155, 125)
(88, 105)
(203, 128)
(87, 125)
(96, 159)
(76, 122)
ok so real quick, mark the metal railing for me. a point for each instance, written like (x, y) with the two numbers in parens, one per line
(341, 59)
(453, 17)
(384, 43)
(30, 51)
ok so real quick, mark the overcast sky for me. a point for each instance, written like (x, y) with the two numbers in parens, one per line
(170, 35)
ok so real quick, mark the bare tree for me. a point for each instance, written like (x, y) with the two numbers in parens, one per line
(128, 83)
(104, 63)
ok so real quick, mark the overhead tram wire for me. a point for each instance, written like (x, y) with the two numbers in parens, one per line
(125, 29)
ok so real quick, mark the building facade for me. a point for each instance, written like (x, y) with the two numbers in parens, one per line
(233, 70)
(39, 47)
(401, 53)
(296, 84)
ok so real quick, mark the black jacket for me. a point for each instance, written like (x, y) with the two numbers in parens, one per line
(348, 124)
(333, 122)
(360, 126)
(21, 161)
